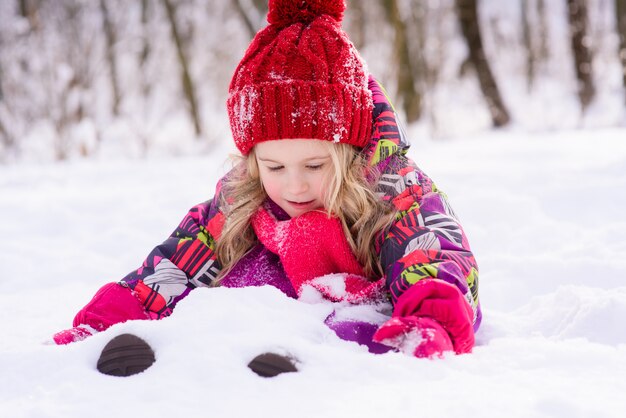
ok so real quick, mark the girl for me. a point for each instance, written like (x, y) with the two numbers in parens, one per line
(324, 202)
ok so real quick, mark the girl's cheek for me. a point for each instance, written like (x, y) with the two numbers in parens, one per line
(271, 188)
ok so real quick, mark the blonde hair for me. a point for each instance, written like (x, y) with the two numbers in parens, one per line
(350, 197)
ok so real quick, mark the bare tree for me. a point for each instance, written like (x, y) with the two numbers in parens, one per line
(252, 13)
(29, 9)
(542, 22)
(620, 14)
(410, 97)
(531, 52)
(467, 11)
(188, 85)
(68, 98)
(145, 47)
(5, 136)
(261, 6)
(581, 49)
(432, 49)
(357, 20)
(110, 37)
(425, 70)
(11, 85)
(535, 37)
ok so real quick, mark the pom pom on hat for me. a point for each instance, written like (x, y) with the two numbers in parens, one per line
(287, 12)
(301, 77)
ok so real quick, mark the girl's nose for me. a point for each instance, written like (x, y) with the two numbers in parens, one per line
(296, 184)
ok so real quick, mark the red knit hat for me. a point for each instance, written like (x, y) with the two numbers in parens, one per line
(301, 77)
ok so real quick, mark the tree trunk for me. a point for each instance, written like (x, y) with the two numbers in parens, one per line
(620, 13)
(5, 137)
(1, 83)
(467, 11)
(411, 98)
(246, 19)
(261, 6)
(531, 58)
(580, 44)
(544, 51)
(357, 12)
(188, 86)
(145, 48)
(253, 14)
(418, 33)
(111, 40)
(28, 10)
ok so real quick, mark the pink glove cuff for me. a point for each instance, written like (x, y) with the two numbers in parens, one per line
(73, 335)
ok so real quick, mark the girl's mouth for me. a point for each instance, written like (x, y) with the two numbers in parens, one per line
(300, 205)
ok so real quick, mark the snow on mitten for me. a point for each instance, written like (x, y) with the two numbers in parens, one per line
(421, 337)
(73, 335)
(349, 288)
(309, 246)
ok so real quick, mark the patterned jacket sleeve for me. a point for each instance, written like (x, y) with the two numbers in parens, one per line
(184, 261)
(426, 240)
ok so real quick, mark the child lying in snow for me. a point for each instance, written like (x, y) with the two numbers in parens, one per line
(324, 200)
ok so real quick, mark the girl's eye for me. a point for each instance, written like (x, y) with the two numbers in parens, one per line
(275, 168)
(315, 167)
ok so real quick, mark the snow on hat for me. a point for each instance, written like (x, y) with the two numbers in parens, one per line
(301, 77)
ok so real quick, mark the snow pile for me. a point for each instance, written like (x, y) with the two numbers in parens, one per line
(544, 215)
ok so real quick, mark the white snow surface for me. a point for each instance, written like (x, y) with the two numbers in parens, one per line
(545, 217)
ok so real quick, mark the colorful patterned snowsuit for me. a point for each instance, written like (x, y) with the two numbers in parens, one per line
(426, 241)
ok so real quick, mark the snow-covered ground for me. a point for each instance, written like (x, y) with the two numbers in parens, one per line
(544, 214)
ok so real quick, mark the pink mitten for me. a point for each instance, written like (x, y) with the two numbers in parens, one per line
(421, 337)
(443, 302)
(430, 317)
(309, 246)
(111, 304)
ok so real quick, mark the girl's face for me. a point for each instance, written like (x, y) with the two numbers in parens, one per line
(294, 173)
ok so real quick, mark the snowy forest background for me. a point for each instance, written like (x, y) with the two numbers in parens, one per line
(113, 78)
(113, 124)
